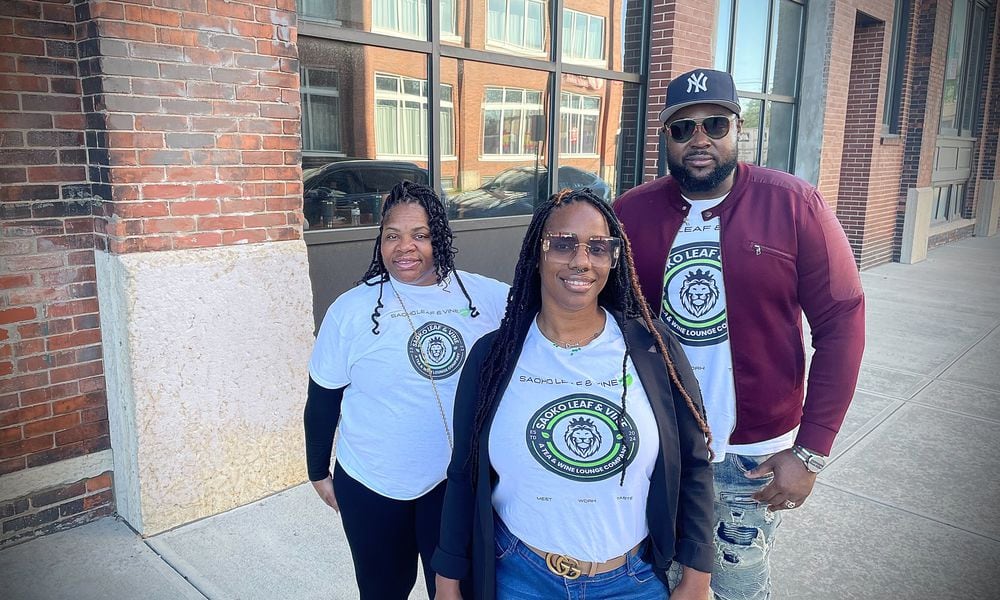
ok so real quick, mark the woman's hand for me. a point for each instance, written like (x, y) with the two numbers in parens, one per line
(694, 585)
(447, 589)
(324, 488)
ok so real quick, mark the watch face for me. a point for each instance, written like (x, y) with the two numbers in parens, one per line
(815, 464)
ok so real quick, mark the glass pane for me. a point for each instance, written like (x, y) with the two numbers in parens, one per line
(625, 31)
(318, 10)
(750, 44)
(723, 32)
(592, 128)
(953, 67)
(512, 27)
(976, 62)
(500, 136)
(580, 37)
(749, 136)
(358, 142)
(937, 214)
(447, 17)
(776, 148)
(595, 37)
(324, 123)
(786, 34)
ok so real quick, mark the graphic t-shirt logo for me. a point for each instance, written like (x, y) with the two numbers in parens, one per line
(692, 294)
(436, 349)
(577, 437)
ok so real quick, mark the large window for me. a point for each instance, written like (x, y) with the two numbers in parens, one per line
(583, 37)
(963, 68)
(320, 111)
(408, 17)
(496, 108)
(516, 24)
(891, 112)
(760, 43)
(400, 116)
(578, 117)
(508, 127)
(320, 10)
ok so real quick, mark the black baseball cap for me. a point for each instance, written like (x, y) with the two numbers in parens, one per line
(701, 86)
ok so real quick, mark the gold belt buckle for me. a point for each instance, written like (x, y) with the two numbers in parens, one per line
(563, 566)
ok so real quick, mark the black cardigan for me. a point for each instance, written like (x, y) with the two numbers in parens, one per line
(680, 505)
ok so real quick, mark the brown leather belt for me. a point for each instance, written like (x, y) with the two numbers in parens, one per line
(571, 568)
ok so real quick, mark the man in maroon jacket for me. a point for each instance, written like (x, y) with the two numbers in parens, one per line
(732, 255)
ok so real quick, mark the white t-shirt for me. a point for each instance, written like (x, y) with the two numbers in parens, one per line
(694, 307)
(555, 445)
(392, 438)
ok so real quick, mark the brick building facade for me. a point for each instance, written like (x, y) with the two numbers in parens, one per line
(156, 308)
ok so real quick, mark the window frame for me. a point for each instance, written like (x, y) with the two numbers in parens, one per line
(584, 60)
(505, 45)
(729, 15)
(569, 112)
(526, 111)
(306, 90)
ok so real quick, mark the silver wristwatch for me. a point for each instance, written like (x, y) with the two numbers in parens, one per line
(813, 461)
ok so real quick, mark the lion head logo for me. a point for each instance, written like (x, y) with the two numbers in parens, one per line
(582, 437)
(699, 292)
(435, 348)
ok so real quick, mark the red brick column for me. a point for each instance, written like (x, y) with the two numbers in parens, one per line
(680, 40)
(142, 128)
(201, 107)
(54, 442)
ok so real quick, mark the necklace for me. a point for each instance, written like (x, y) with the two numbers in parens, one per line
(427, 367)
(577, 344)
(574, 346)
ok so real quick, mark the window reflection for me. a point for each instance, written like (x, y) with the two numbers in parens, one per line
(517, 25)
(357, 144)
(755, 59)
(498, 163)
(750, 44)
(590, 124)
(749, 137)
(785, 39)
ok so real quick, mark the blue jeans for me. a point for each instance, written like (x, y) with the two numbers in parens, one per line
(522, 575)
(744, 535)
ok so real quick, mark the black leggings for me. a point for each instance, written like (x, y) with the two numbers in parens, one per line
(386, 535)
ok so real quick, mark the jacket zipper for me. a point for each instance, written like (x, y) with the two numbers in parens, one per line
(759, 249)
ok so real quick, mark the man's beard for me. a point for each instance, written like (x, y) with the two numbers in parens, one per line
(691, 184)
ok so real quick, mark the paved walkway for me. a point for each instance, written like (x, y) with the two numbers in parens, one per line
(907, 508)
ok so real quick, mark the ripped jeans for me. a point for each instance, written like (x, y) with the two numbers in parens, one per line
(744, 532)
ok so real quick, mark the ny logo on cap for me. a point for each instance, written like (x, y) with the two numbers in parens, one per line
(697, 82)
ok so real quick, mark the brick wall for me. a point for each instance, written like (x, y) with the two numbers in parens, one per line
(681, 34)
(201, 107)
(860, 130)
(52, 398)
(130, 126)
(989, 102)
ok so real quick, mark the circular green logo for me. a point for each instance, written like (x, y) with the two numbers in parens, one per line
(577, 437)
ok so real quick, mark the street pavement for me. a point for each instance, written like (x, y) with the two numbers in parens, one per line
(906, 509)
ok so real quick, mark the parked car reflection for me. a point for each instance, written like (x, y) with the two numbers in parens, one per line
(349, 192)
(516, 191)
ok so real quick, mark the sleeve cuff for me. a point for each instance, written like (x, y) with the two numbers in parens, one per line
(450, 565)
(696, 555)
(815, 437)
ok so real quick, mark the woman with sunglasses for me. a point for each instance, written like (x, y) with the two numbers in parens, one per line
(385, 366)
(581, 467)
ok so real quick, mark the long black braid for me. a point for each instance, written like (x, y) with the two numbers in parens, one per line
(407, 192)
(621, 293)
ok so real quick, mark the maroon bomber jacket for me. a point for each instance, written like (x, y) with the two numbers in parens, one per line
(783, 253)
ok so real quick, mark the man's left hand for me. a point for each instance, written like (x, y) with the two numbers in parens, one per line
(792, 482)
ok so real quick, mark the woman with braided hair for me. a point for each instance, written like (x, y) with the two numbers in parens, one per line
(385, 367)
(581, 465)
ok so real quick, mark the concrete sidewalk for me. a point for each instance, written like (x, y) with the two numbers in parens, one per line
(907, 508)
